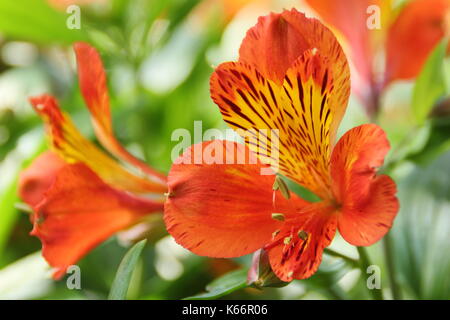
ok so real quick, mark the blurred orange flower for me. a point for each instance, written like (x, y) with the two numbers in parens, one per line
(407, 36)
(79, 194)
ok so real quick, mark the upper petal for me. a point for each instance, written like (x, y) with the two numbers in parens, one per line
(79, 211)
(278, 40)
(306, 110)
(368, 202)
(416, 31)
(296, 252)
(68, 143)
(35, 180)
(92, 80)
(219, 209)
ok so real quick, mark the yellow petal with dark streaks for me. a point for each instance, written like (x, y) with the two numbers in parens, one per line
(306, 110)
(68, 143)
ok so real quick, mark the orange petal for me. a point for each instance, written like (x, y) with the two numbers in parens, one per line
(80, 211)
(35, 180)
(355, 159)
(92, 80)
(306, 110)
(278, 40)
(222, 210)
(416, 31)
(367, 221)
(68, 143)
(296, 252)
(368, 201)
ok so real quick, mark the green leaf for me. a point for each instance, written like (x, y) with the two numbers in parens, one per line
(228, 283)
(430, 84)
(412, 144)
(122, 280)
(18, 283)
(8, 213)
(420, 232)
(437, 143)
(36, 20)
(326, 278)
(301, 191)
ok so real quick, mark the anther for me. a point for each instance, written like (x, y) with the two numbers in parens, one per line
(290, 274)
(275, 233)
(287, 240)
(278, 216)
(279, 184)
(302, 235)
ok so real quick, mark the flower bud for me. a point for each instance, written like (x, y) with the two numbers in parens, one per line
(260, 274)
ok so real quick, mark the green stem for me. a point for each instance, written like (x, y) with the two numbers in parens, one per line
(387, 248)
(364, 260)
(333, 253)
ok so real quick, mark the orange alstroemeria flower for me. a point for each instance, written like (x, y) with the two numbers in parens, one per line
(79, 194)
(407, 38)
(292, 76)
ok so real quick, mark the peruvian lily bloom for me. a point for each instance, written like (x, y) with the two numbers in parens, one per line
(79, 194)
(292, 76)
(405, 36)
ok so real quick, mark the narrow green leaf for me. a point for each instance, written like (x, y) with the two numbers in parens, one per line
(35, 285)
(228, 283)
(122, 280)
(430, 84)
(447, 74)
(8, 213)
(437, 143)
(421, 231)
(36, 20)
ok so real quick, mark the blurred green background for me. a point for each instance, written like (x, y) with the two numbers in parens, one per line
(159, 55)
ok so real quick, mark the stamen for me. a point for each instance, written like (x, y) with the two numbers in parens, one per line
(290, 274)
(275, 233)
(287, 240)
(280, 185)
(302, 234)
(278, 216)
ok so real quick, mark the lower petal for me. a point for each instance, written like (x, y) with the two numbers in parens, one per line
(80, 211)
(296, 252)
(223, 210)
